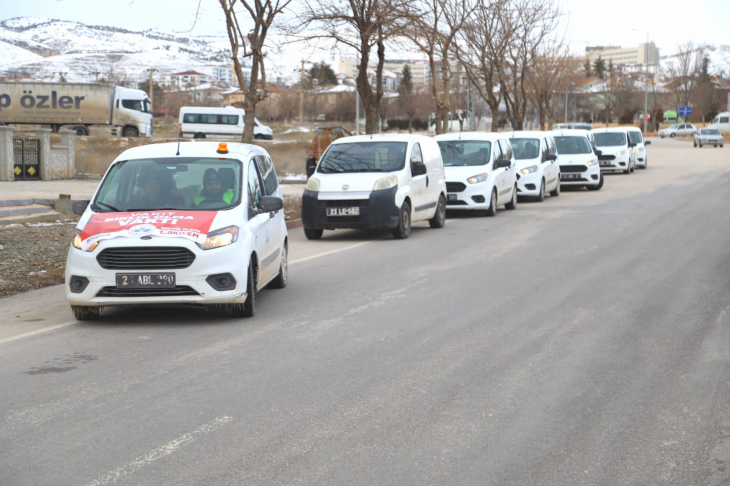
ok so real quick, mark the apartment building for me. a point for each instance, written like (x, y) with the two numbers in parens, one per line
(642, 54)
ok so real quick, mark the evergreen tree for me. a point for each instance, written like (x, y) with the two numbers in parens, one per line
(405, 96)
(323, 74)
(599, 67)
(587, 67)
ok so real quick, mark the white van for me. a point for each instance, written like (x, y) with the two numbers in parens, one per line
(617, 150)
(376, 182)
(480, 171)
(538, 170)
(578, 159)
(641, 158)
(198, 223)
(721, 122)
(219, 123)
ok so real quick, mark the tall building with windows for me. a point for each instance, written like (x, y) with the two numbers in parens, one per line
(642, 54)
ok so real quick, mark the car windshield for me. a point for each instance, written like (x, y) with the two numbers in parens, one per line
(185, 183)
(573, 145)
(465, 152)
(610, 139)
(635, 137)
(525, 148)
(710, 132)
(363, 157)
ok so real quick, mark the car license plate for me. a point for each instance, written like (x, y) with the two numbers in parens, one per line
(146, 280)
(606, 163)
(451, 198)
(343, 211)
(569, 177)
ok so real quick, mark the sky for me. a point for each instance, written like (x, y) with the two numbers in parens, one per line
(670, 23)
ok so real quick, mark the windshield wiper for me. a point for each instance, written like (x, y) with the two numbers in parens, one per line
(109, 206)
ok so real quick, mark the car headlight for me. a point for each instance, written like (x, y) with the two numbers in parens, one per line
(638, 150)
(218, 238)
(620, 153)
(385, 183)
(77, 242)
(312, 184)
(477, 178)
(529, 170)
(591, 163)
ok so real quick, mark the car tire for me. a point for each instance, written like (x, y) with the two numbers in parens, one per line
(313, 234)
(280, 281)
(695, 143)
(81, 131)
(598, 186)
(403, 230)
(439, 219)
(248, 308)
(672, 135)
(84, 313)
(556, 192)
(541, 196)
(130, 132)
(199, 136)
(700, 143)
(513, 203)
(492, 210)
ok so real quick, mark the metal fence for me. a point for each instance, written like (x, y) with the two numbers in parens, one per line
(27, 155)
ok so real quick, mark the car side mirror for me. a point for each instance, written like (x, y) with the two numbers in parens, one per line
(79, 207)
(504, 163)
(632, 145)
(310, 170)
(418, 169)
(271, 204)
(551, 157)
(647, 142)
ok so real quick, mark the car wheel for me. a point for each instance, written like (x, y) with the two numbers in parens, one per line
(199, 136)
(541, 196)
(597, 186)
(439, 219)
(403, 230)
(695, 143)
(81, 131)
(628, 170)
(85, 313)
(556, 192)
(247, 309)
(280, 281)
(513, 203)
(672, 135)
(492, 211)
(130, 132)
(700, 143)
(313, 234)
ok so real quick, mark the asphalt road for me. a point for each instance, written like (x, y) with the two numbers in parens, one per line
(583, 340)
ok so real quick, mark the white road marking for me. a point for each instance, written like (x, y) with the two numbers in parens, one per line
(306, 259)
(38, 331)
(156, 454)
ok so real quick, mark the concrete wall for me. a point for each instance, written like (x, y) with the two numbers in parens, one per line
(6, 154)
(57, 162)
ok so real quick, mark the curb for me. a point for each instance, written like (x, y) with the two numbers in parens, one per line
(294, 223)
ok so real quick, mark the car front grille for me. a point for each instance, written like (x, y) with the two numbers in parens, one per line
(606, 157)
(573, 168)
(455, 187)
(146, 258)
(180, 290)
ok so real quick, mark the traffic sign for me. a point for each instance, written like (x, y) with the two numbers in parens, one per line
(684, 110)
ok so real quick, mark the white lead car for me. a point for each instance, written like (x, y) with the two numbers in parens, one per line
(196, 223)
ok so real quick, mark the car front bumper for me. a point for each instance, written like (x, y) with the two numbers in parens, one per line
(462, 195)
(377, 212)
(620, 163)
(591, 176)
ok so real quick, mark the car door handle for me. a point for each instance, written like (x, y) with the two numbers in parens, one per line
(426, 181)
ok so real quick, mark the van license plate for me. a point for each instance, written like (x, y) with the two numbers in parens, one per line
(606, 163)
(146, 280)
(343, 211)
(451, 198)
(568, 177)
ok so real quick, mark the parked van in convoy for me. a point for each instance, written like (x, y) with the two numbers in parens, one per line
(578, 159)
(537, 164)
(721, 122)
(480, 171)
(617, 150)
(219, 123)
(641, 158)
(376, 182)
(196, 223)
(77, 107)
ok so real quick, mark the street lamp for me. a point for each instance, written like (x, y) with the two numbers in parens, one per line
(646, 75)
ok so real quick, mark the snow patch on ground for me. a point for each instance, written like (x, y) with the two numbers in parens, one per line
(297, 130)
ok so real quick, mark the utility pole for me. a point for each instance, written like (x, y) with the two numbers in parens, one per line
(646, 76)
(357, 111)
(565, 119)
(301, 95)
(152, 91)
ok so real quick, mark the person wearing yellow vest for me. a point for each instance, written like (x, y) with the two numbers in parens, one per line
(212, 190)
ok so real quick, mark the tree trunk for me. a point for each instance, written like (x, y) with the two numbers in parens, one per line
(494, 108)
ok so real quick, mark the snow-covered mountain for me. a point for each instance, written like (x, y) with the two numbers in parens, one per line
(40, 48)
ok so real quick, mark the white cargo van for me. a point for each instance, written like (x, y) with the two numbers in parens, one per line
(376, 182)
(219, 123)
(721, 122)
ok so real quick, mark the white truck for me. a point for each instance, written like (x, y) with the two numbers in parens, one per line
(76, 107)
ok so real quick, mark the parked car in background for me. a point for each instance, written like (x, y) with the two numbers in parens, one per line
(617, 150)
(227, 123)
(572, 126)
(721, 122)
(708, 136)
(480, 171)
(641, 158)
(376, 182)
(537, 164)
(578, 159)
(678, 130)
(192, 223)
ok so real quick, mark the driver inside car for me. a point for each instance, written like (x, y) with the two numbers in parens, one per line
(212, 190)
(157, 193)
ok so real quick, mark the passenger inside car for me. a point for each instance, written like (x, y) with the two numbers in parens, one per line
(212, 189)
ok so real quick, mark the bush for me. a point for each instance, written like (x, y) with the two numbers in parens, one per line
(626, 118)
(397, 124)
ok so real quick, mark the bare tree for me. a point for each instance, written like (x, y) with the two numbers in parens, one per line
(686, 71)
(362, 25)
(553, 72)
(262, 14)
(434, 32)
